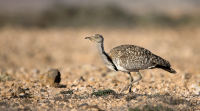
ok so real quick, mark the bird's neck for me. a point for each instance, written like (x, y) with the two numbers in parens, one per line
(100, 48)
(105, 58)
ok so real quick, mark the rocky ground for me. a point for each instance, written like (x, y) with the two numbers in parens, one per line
(85, 83)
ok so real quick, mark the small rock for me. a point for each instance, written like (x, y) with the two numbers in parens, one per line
(21, 94)
(186, 76)
(52, 77)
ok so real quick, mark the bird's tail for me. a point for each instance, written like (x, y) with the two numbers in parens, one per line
(168, 69)
(163, 64)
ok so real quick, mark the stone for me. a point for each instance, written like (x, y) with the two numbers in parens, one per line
(52, 78)
(186, 76)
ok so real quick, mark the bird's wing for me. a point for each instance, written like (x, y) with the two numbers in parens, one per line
(131, 57)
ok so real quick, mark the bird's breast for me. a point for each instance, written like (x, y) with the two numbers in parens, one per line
(111, 67)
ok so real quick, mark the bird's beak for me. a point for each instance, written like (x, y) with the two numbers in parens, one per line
(88, 38)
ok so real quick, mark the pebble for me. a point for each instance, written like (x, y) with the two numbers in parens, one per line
(52, 77)
(186, 76)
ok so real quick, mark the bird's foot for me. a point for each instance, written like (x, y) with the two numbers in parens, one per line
(125, 88)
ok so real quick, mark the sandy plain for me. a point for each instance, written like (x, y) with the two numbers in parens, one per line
(25, 54)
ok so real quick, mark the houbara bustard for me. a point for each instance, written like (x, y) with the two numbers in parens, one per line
(129, 58)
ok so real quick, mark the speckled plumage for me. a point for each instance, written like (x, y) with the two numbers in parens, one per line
(131, 57)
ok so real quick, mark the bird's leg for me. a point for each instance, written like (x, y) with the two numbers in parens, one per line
(140, 77)
(131, 80)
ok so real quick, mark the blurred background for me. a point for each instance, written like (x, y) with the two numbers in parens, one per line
(112, 13)
(50, 33)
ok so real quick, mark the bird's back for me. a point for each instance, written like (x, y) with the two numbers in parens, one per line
(133, 58)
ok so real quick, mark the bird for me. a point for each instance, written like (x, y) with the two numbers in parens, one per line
(129, 58)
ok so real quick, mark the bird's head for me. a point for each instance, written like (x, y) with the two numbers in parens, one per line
(96, 38)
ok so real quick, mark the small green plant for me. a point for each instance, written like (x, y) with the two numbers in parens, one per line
(5, 77)
(103, 92)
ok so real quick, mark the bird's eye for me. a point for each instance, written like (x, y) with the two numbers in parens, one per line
(96, 37)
